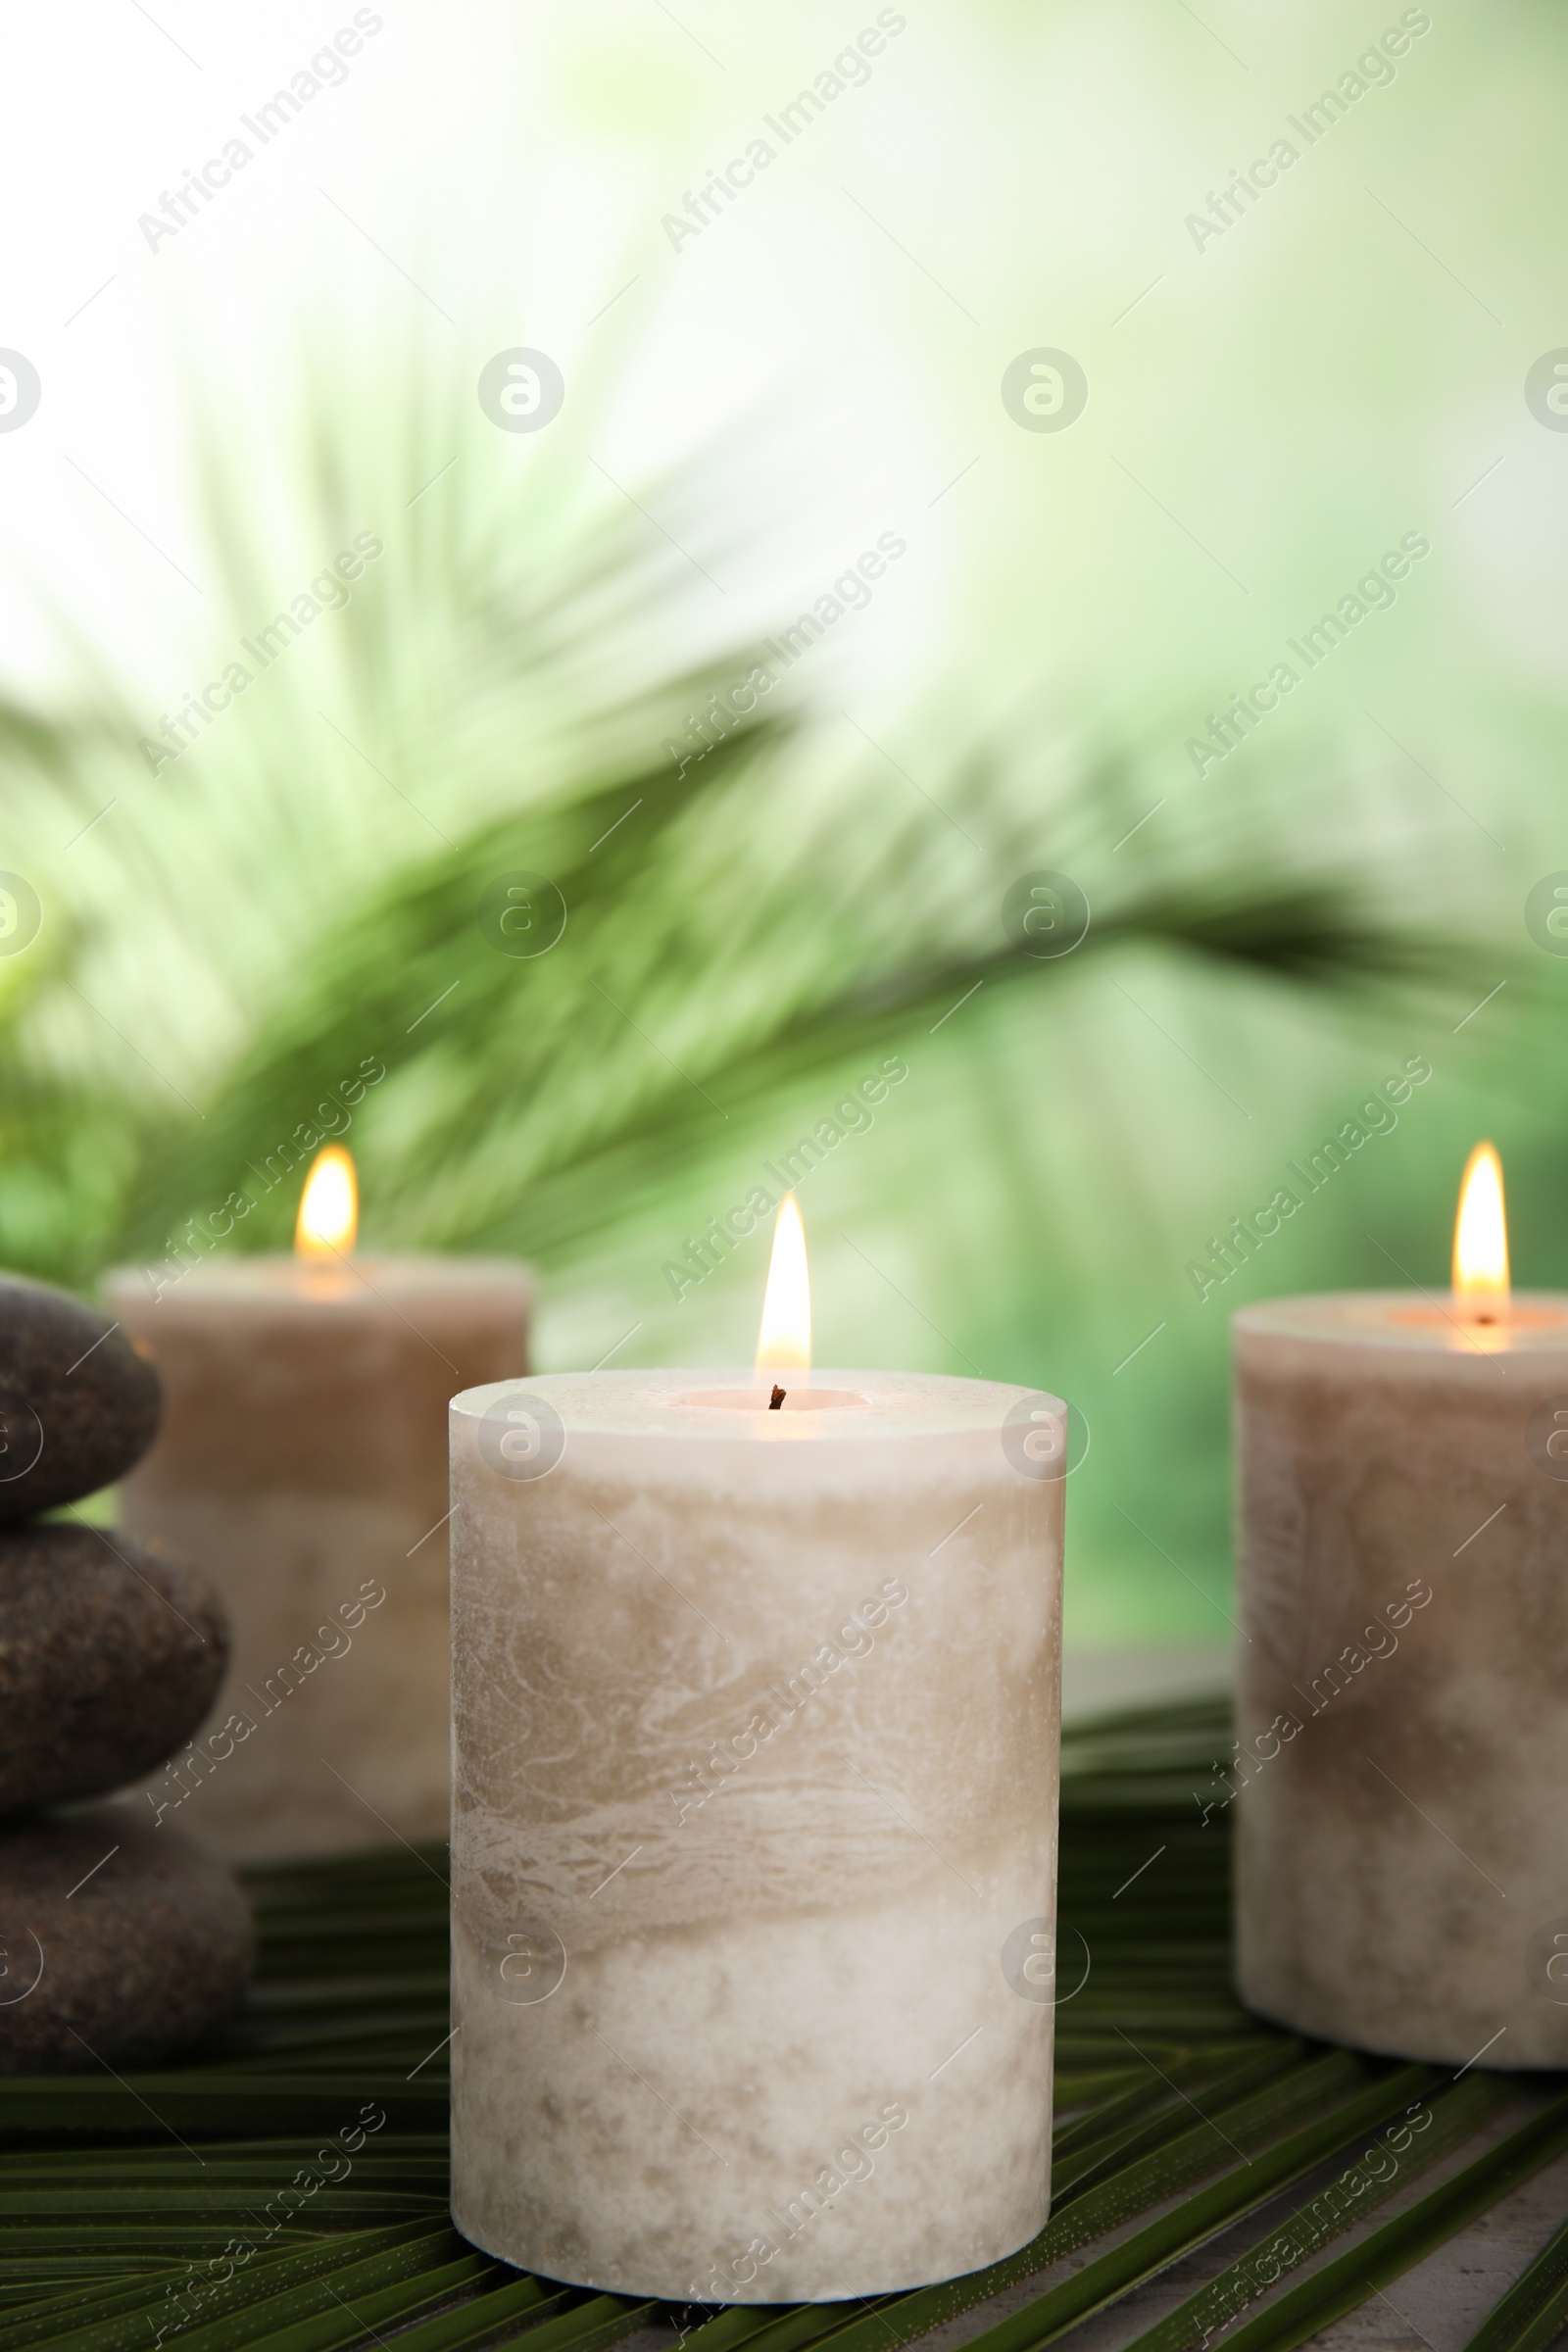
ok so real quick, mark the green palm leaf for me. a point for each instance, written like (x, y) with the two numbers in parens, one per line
(1535, 2310)
(1401, 2243)
(130, 2206)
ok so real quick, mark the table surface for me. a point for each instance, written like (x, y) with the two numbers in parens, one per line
(1100, 1680)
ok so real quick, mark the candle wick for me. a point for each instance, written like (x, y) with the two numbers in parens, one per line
(777, 1398)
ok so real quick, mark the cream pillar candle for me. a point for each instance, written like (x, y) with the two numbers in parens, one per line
(1402, 1836)
(301, 1461)
(754, 1831)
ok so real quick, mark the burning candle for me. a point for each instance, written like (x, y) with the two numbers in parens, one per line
(755, 1715)
(1403, 1860)
(302, 1462)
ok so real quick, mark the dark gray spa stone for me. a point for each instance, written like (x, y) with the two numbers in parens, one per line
(77, 1405)
(109, 1660)
(121, 1943)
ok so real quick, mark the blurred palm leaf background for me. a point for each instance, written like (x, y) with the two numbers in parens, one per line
(517, 681)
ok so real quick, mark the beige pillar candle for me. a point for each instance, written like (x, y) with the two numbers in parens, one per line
(301, 1461)
(754, 1831)
(1402, 1752)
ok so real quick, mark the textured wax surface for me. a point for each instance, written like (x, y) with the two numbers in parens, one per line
(1402, 1853)
(755, 1729)
(301, 1463)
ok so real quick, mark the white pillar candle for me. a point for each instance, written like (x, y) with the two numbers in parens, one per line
(1402, 1752)
(301, 1461)
(756, 1719)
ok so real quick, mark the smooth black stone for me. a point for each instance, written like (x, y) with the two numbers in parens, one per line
(121, 1944)
(109, 1657)
(77, 1407)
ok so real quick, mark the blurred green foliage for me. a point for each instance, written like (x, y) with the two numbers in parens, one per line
(297, 896)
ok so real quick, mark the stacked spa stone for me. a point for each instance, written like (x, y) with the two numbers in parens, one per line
(121, 1942)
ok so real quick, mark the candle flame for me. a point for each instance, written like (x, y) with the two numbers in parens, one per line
(785, 1339)
(1481, 1240)
(329, 1206)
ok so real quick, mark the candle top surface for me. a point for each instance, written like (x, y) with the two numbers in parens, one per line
(253, 1278)
(733, 1406)
(1430, 1321)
